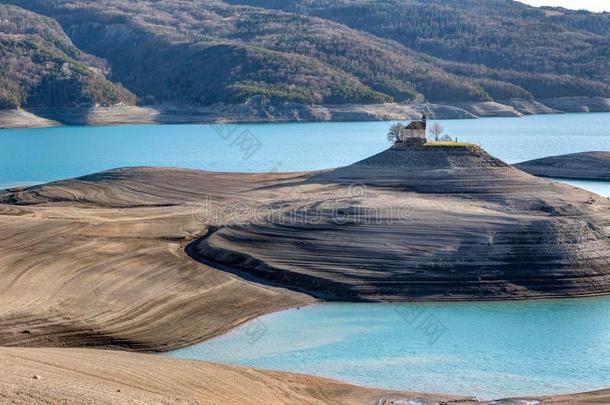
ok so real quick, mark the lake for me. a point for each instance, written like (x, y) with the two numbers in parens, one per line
(490, 350)
(29, 156)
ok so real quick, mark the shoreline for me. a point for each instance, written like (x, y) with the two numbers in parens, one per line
(84, 375)
(109, 377)
(291, 112)
(488, 399)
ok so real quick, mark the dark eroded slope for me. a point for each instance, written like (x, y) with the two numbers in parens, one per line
(429, 223)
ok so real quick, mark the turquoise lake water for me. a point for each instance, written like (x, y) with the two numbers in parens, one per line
(30, 156)
(490, 350)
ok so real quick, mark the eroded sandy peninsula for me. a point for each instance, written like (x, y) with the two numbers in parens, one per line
(428, 223)
(105, 260)
(152, 259)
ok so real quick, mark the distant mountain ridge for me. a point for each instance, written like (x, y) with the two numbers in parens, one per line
(203, 52)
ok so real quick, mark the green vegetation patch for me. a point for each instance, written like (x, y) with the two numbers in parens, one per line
(451, 144)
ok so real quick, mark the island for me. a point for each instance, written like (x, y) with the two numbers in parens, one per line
(581, 166)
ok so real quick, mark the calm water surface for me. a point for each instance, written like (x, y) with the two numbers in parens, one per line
(490, 350)
(600, 187)
(39, 155)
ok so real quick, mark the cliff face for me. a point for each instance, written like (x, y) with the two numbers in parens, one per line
(579, 104)
(427, 223)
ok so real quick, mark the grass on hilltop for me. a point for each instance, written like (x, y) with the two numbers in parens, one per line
(450, 144)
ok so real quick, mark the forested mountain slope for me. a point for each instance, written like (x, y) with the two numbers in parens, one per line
(501, 34)
(41, 67)
(203, 52)
(207, 51)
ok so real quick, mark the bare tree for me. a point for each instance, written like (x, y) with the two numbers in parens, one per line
(437, 129)
(395, 132)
